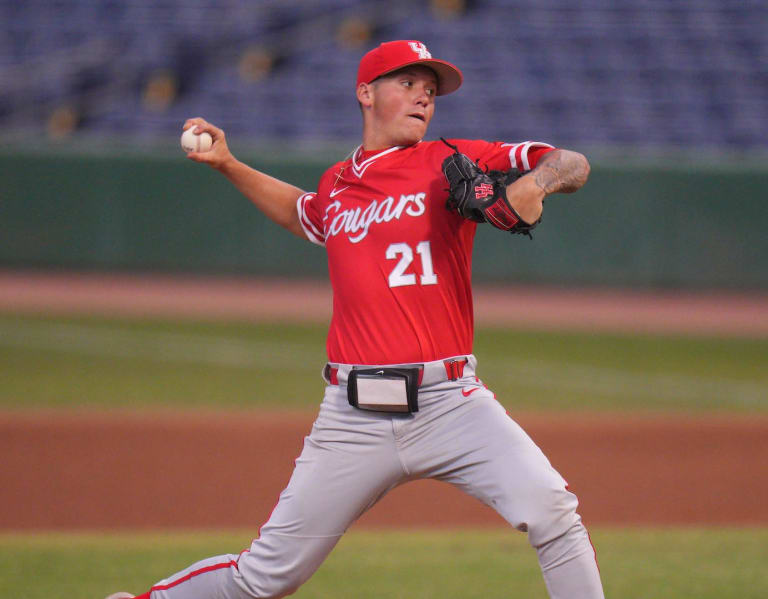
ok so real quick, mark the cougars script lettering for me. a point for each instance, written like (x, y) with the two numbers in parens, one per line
(356, 222)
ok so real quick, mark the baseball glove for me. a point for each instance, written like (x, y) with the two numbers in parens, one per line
(481, 196)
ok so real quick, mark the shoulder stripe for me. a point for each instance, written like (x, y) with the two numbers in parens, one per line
(310, 230)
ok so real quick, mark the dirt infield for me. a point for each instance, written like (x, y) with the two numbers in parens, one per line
(84, 471)
(218, 470)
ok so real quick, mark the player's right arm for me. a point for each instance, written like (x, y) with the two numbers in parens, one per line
(275, 198)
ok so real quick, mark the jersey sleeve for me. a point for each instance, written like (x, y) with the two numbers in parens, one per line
(501, 156)
(312, 206)
(524, 156)
(311, 218)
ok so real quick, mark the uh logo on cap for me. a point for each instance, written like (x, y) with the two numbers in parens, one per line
(420, 49)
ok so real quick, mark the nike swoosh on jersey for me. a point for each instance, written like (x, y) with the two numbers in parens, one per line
(468, 392)
(335, 192)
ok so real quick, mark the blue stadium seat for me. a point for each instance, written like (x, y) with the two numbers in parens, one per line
(595, 72)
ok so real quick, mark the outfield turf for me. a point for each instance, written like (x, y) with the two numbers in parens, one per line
(100, 363)
(114, 363)
(635, 564)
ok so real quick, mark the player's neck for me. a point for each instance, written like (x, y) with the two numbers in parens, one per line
(370, 146)
(366, 151)
(374, 141)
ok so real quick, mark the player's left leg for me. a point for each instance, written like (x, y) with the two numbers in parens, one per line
(474, 445)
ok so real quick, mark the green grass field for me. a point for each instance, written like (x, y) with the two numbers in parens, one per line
(63, 363)
(635, 564)
(123, 364)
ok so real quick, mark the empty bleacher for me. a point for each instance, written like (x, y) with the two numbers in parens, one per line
(646, 73)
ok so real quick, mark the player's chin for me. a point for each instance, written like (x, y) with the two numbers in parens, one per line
(414, 133)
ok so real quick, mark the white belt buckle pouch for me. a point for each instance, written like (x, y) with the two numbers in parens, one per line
(384, 389)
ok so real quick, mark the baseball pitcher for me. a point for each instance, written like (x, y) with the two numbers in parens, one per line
(403, 399)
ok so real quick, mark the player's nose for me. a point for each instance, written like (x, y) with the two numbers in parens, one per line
(422, 96)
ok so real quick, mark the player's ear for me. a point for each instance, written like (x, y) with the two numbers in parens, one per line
(365, 94)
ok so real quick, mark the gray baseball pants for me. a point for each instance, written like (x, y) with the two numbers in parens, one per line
(352, 458)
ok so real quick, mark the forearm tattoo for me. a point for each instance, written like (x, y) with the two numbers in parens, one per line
(561, 171)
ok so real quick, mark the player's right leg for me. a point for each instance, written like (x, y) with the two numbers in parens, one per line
(348, 462)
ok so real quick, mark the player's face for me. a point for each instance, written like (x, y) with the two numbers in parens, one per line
(402, 104)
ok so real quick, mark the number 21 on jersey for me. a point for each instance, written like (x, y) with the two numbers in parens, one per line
(399, 277)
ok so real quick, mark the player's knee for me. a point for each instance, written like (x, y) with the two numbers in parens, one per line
(273, 586)
(553, 517)
(572, 543)
(270, 589)
(277, 564)
(279, 590)
(263, 580)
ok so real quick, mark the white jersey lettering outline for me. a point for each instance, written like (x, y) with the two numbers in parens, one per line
(356, 222)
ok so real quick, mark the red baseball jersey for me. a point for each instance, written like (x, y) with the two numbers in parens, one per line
(400, 262)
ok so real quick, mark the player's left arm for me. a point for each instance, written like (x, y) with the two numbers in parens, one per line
(557, 171)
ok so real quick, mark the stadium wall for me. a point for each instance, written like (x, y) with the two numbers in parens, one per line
(637, 226)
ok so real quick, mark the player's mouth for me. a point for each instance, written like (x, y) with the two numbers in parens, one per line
(418, 116)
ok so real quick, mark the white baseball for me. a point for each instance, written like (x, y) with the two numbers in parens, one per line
(192, 142)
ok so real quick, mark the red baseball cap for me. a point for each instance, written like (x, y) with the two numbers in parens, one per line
(391, 56)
